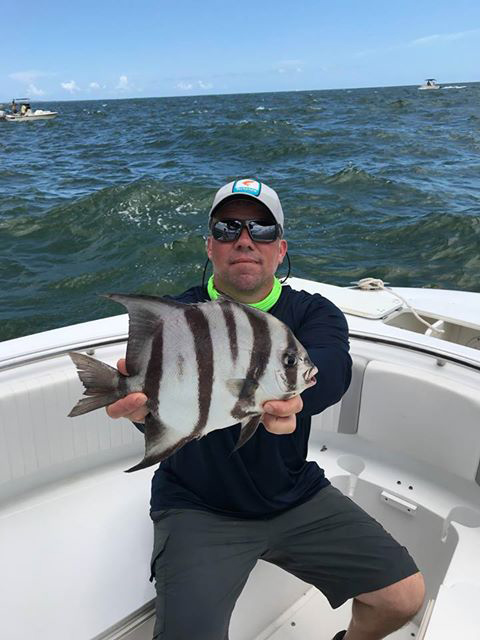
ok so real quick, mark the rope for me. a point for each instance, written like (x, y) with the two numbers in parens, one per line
(375, 284)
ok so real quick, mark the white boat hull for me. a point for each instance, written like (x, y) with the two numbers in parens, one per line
(48, 115)
(404, 443)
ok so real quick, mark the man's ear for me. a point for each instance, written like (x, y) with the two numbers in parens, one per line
(282, 250)
(208, 246)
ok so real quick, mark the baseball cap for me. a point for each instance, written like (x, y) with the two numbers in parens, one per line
(247, 188)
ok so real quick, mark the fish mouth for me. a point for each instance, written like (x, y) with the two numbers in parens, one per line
(309, 376)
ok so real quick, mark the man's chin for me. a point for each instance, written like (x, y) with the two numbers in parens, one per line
(246, 282)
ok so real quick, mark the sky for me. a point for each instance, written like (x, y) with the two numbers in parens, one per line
(104, 49)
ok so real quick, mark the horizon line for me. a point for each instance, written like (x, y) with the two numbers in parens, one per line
(204, 95)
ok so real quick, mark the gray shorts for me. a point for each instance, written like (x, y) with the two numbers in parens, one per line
(201, 560)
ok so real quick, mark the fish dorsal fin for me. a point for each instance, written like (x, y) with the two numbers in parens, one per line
(224, 297)
(146, 315)
(247, 308)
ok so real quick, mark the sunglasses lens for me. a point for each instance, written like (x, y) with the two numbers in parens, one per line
(230, 230)
(226, 230)
(262, 232)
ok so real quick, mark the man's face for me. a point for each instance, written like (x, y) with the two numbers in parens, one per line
(243, 265)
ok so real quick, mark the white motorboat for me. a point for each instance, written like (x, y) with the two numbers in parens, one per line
(21, 111)
(430, 83)
(28, 116)
(404, 442)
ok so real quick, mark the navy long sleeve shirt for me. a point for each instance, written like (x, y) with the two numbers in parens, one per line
(270, 473)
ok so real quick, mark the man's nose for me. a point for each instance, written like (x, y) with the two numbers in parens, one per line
(244, 239)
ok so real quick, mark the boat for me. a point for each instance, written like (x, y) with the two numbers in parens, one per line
(21, 111)
(430, 83)
(38, 114)
(404, 443)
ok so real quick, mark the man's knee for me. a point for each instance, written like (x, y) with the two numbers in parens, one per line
(403, 599)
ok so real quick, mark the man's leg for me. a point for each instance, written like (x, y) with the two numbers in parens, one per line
(200, 563)
(333, 544)
(377, 614)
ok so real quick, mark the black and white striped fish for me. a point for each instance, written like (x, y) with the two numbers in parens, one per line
(202, 366)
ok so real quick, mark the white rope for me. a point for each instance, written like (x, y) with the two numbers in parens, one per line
(375, 284)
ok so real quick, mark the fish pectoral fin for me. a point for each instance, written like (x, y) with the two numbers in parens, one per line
(247, 431)
(160, 443)
(241, 386)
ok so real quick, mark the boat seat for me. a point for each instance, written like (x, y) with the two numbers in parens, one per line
(422, 414)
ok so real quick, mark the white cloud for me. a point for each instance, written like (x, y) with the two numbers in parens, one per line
(123, 83)
(194, 84)
(444, 37)
(70, 86)
(94, 85)
(34, 90)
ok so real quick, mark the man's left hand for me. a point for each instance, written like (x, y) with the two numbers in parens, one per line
(280, 415)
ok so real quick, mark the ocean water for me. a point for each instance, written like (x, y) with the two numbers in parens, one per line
(114, 195)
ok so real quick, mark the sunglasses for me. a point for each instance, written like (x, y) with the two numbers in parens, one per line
(230, 230)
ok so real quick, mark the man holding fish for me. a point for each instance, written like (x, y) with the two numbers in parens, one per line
(225, 497)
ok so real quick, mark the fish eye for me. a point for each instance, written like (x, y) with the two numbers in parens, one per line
(290, 359)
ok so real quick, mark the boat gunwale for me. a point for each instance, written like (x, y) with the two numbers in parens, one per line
(55, 352)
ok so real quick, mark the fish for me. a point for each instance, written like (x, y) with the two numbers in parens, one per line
(203, 366)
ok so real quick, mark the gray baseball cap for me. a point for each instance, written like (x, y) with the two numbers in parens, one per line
(247, 188)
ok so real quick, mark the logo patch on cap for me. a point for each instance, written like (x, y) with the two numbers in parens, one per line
(250, 187)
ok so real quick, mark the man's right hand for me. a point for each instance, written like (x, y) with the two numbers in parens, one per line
(132, 406)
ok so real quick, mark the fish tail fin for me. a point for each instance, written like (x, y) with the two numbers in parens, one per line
(101, 382)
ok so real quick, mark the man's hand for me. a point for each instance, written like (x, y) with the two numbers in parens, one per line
(279, 416)
(132, 406)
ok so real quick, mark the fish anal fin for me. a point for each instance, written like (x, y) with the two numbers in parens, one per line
(160, 443)
(247, 431)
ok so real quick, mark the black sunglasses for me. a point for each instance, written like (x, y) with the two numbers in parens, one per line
(230, 230)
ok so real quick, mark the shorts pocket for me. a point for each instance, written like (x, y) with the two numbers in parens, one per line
(159, 544)
(157, 573)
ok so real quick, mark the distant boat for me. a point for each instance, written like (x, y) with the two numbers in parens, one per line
(21, 111)
(430, 83)
(38, 114)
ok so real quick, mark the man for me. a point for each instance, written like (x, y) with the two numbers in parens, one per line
(216, 512)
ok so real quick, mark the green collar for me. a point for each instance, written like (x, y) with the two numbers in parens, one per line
(264, 305)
